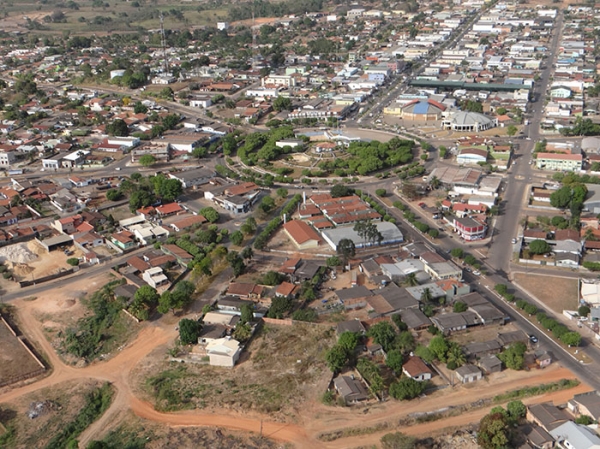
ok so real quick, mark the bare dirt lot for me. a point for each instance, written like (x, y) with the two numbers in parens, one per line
(55, 406)
(556, 295)
(279, 371)
(15, 361)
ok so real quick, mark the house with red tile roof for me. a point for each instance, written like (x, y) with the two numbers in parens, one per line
(302, 235)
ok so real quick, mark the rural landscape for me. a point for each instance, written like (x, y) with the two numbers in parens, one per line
(310, 224)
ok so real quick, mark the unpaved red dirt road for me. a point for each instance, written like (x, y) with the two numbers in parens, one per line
(303, 433)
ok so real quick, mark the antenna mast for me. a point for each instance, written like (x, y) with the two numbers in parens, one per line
(163, 42)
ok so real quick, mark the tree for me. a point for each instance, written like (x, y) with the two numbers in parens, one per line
(411, 280)
(571, 339)
(404, 341)
(336, 358)
(348, 341)
(513, 356)
(493, 431)
(397, 440)
(139, 108)
(457, 252)
(380, 192)
(425, 353)
(113, 195)
(584, 420)
(439, 347)
(282, 193)
(346, 249)
(333, 261)
(502, 289)
(146, 295)
(516, 410)
(383, 334)
(166, 302)
(583, 311)
(210, 214)
(189, 330)
(279, 307)
(460, 307)
(147, 160)
(368, 231)
(242, 332)
(511, 130)
(561, 198)
(340, 190)
(73, 261)
(393, 360)
(236, 238)
(282, 104)
(455, 356)
(407, 388)
(117, 128)
(539, 247)
(247, 313)
(272, 278)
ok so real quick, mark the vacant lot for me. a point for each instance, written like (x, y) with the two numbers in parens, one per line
(16, 363)
(54, 406)
(557, 294)
(136, 433)
(280, 370)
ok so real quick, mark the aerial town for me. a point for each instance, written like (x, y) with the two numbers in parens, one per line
(300, 224)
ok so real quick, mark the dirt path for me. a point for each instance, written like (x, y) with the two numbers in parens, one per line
(313, 420)
(435, 428)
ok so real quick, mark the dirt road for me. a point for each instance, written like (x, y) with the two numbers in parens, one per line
(303, 433)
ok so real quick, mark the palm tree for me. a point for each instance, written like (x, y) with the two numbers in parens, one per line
(434, 183)
(426, 296)
(455, 354)
(411, 280)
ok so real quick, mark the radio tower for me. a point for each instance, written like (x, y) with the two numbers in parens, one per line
(163, 42)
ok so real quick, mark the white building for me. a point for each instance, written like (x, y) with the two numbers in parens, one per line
(223, 352)
(155, 277)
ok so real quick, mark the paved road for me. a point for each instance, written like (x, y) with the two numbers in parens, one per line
(521, 173)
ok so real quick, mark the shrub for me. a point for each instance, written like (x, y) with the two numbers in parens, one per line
(73, 261)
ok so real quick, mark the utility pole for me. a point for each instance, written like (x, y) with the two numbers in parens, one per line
(163, 42)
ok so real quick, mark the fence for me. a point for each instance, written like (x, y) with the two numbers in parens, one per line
(48, 278)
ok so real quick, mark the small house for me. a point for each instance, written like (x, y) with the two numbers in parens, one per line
(416, 368)
(468, 373)
(490, 364)
(350, 389)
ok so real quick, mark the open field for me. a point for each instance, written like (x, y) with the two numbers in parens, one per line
(16, 362)
(56, 406)
(281, 369)
(556, 293)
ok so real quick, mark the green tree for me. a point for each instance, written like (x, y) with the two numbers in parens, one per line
(584, 420)
(345, 249)
(247, 313)
(455, 356)
(511, 130)
(411, 280)
(242, 332)
(336, 358)
(189, 330)
(571, 339)
(147, 160)
(348, 341)
(460, 306)
(236, 238)
(425, 353)
(583, 311)
(407, 388)
(340, 190)
(279, 307)
(516, 410)
(501, 289)
(166, 302)
(282, 104)
(439, 347)
(539, 247)
(333, 261)
(380, 192)
(113, 195)
(282, 193)
(493, 432)
(561, 198)
(117, 128)
(393, 360)
(272, 278)
(210, 214)
(146, 295)
(513, 356)
(383, 334)
(457, 252)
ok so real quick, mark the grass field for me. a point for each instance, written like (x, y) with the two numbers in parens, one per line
(557, 294)
(282, 368)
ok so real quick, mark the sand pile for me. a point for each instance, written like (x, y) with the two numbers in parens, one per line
(18, 253)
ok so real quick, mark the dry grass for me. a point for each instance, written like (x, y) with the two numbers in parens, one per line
(15, 360)
(557, 294)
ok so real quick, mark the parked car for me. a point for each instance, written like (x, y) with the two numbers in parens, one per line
(533, 339)
(422, 205)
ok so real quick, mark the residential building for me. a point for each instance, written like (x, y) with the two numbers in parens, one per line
(575, 436)
(155, 277)
(223, 352)
(469, 229)
(557, 161)
(350, 389)
(547, 416)
(416, 368)
(468, 373)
